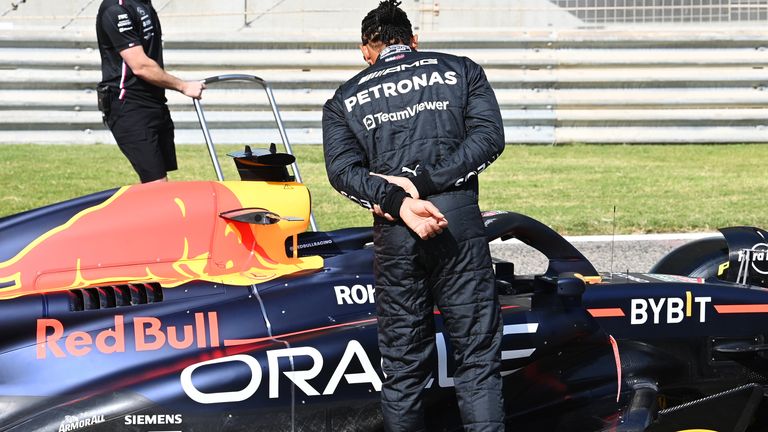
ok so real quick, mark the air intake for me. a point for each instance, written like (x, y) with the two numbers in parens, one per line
(113, 296)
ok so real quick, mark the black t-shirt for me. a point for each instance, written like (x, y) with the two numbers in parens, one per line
(122, 24)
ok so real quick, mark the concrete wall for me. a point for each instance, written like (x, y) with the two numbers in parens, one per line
(558, 79)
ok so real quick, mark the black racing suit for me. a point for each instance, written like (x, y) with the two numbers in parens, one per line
(434, 118)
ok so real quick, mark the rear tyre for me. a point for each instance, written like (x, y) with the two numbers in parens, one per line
(700, 258)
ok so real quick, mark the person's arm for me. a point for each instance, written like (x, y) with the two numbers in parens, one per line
(483, 143)
(347, 166)
(151, 72)
(124, 37)
(347, 169)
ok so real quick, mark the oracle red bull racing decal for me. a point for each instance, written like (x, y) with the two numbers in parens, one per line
(149, 334)
(56, 342)
(355, 367)
(169, 233)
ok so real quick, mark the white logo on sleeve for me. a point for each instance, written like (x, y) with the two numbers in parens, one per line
(408, 170)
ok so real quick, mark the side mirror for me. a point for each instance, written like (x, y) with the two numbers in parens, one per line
(256, 216)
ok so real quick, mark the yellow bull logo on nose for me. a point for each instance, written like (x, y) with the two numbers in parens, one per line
(169, 233)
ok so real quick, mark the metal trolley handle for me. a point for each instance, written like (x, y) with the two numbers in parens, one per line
(275, 112)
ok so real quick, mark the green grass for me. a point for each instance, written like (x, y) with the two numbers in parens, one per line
(574, 188)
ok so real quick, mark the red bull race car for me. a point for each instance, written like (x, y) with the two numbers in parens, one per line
(202, 306)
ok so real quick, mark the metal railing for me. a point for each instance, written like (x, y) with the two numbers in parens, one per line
(278, 122)
(443, 15)
(665, 11)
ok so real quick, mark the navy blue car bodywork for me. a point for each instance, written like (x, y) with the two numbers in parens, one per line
(617, 352)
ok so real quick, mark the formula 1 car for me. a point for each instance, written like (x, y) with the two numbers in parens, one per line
(202, 306)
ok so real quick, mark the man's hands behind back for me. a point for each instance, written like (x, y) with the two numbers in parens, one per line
(422, 217)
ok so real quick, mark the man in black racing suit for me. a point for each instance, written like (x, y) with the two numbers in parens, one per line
(406, 138)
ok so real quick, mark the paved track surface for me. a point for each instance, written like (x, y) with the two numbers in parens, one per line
(624, 253)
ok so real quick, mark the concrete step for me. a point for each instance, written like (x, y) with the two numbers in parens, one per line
(258, 137)
(81, 120)
(646, 77)
(20, 120)
(514, 135)
(309, 99)
(636, 98)
(175, 37)
(635, 135)
(241, 59)
(636, 117)
(70, 79)
(662, 135)
(218, 99)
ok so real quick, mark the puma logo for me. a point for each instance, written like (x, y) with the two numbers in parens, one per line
(412, 171)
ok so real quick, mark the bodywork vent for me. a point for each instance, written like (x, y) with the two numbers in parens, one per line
(113, 296)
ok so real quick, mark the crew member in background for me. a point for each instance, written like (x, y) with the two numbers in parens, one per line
(406, 139)
(132, 91)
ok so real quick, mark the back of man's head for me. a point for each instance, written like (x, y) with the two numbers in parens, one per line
(387, 24)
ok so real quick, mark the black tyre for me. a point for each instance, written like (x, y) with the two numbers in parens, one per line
(700, 258)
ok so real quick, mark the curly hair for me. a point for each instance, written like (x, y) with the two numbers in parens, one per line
(387, 24)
